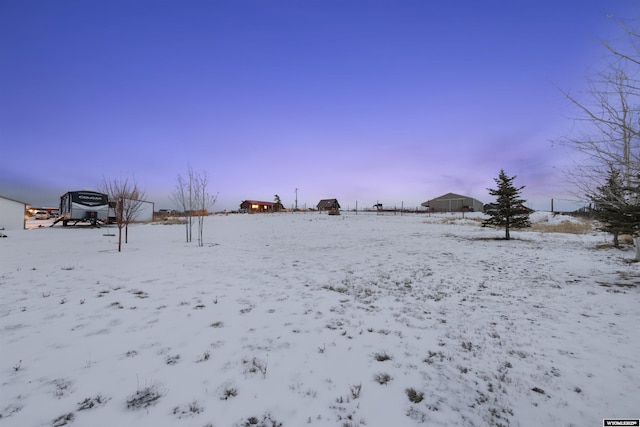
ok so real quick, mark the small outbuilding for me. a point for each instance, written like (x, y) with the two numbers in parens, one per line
(255, 206)
(328, 205)
(13, 214)
(144, 212)
(452, 202)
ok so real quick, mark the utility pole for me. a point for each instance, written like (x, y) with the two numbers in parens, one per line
(296, 198)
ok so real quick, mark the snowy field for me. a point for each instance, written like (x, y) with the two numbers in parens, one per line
(308, 319)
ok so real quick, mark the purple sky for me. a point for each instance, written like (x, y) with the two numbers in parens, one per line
(390, 101)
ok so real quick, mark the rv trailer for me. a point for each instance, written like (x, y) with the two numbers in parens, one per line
(85, 206)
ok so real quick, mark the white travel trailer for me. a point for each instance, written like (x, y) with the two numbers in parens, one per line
(85, 206)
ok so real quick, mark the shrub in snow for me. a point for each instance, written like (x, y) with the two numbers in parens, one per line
(414, 395)
(382, 378)
(92, 402)
(266, 421)
(63, 420)
(188, 410)
(382, 357)
(143, 398)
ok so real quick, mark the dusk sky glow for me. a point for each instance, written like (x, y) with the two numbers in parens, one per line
(390, 101)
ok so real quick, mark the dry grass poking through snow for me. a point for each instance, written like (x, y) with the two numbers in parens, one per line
(544, 222)
(576, 226)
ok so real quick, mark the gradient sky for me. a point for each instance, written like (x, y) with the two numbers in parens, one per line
(392, 101)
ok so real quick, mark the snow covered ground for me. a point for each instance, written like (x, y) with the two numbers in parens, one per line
(308, 319)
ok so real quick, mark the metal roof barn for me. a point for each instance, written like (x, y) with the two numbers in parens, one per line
(452, 202)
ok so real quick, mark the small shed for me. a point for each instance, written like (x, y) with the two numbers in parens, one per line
(452, 202)
(328, 205)
(12, 214)
(255, 206)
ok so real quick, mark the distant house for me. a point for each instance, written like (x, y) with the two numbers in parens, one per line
(490, 208)
(12, 214)
(328, 205)
(255, 206)
(451, 202)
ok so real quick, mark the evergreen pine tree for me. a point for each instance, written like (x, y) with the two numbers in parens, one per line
(278, 203)
(630, 213)
(510, 211)
(609, 206)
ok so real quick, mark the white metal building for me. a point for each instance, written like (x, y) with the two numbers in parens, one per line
(12, 214)
(145, 212)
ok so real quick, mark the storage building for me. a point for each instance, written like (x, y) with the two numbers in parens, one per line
(452, 202)
(13, 214)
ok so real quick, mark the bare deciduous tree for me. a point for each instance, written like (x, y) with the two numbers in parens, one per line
(608, 135)
(131, 207)
(203, 202)
(127, 197)
(183, 197)
(608, 122)
(193, 197)
(632, 52)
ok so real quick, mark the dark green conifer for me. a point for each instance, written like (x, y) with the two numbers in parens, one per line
(608, 202)
(509, 212)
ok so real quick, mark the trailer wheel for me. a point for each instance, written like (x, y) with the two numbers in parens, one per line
(64, 223)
